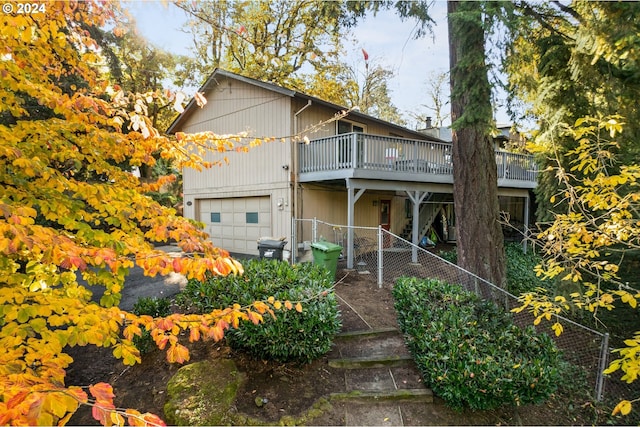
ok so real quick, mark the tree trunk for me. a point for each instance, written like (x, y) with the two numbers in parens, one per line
(475, 187)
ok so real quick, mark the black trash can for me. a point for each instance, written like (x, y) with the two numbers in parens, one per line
(271, 248)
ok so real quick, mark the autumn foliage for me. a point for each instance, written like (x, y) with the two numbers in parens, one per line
(71, 209)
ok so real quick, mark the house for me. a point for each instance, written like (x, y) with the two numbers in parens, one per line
(355, 170)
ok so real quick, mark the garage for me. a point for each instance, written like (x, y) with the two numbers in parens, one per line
(236, 224)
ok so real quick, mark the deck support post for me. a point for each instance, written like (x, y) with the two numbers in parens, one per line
(416, 198)
(352, 198)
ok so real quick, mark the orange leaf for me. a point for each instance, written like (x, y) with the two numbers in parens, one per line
(299, 308)
(221, 267)
(194, 334)
(79, 263)
(153, 419)
(103, 392)
(101, 412)
(217, 331)
(260, 306)
(134, 418)
(254, 317)
(164, 324)
(178, 353)
(16, 399)
(177, 265)
(162, 341)
(78, 394)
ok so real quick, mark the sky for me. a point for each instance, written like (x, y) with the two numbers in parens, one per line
(387, 40)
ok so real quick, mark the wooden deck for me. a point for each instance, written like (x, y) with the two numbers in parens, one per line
(365, 156)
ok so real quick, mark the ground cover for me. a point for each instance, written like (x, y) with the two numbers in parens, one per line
(291, 389)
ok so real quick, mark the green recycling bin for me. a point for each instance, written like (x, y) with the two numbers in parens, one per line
(327, 254)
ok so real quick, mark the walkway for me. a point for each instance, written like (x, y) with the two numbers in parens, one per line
(382, 385)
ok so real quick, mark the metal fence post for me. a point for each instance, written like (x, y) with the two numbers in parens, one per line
(314, 230)
(604, 357)
(380, 266)
(294, 240)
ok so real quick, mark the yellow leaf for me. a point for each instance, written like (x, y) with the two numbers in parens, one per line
(59, 404)
(117, 419)
(131, 330)
(557, 327)
(178, 353)
(299, 308)
(614, 366)
(624, 407)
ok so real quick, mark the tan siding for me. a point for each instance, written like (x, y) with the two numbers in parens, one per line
(235, 107)
(308, 120)
(331, 206)
(312, 116)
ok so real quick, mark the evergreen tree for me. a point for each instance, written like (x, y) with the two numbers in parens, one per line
(475, 182)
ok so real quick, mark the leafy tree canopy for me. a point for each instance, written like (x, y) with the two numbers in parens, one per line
(296, 44)
(70, 208)
(569, 62)
(576, 64)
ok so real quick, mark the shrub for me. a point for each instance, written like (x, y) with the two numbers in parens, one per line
(450, 255)
(154, 307)
(469, 351)
(521, 276)
(290, 336)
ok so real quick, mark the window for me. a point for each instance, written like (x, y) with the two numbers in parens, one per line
(215, 216)
(345, 126)
(252, 217)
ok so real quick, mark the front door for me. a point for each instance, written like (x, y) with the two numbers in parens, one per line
(385, 220)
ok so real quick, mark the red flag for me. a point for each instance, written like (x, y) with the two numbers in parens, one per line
(365, 54)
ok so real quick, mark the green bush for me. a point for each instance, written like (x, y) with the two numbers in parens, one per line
(469, 351)
(450, 255)
(290, 336)
(521, 277)
(154, 307)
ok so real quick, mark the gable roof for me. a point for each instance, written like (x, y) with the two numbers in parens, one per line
(211, 82)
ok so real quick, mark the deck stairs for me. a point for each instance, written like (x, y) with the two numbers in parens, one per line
(428, 213)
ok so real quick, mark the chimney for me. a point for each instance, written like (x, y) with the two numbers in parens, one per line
(429, 125)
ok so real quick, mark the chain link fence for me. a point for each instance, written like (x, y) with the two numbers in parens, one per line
(389, 257)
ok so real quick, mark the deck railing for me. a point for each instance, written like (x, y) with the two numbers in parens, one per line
(384, 153)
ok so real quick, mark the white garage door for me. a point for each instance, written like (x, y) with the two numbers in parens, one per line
(236, 224)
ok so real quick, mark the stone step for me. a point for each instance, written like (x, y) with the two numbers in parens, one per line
(367, 333)
(379, 345)
(391, 413)
(378, 379)
(376, 361)
(383, 414)
(414, 395)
